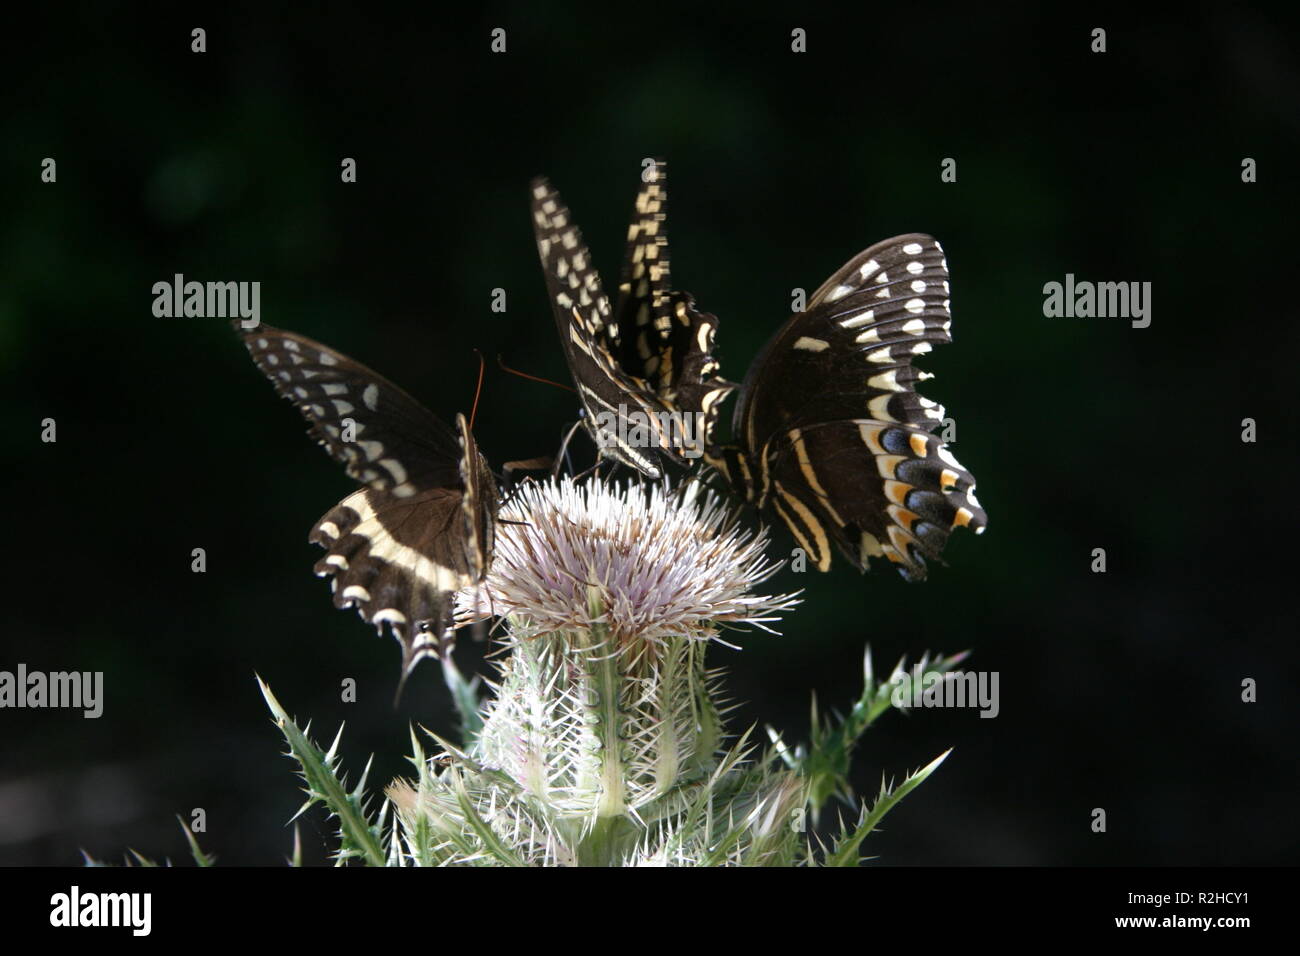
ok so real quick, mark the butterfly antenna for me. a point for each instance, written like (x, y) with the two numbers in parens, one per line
(532, 378)
(563, 457)
(478, 389)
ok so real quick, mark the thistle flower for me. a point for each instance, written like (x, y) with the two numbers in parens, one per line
(604, 704)
(605, 724)
(640, 564)
(603, 740)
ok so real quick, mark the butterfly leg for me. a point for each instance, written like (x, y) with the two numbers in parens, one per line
(527, 464)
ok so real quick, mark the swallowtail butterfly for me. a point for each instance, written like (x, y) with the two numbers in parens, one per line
(831, 435)
(422, 526)
(649, 357)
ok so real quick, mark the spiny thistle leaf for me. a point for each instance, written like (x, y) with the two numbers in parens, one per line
(200, 858)
(418, 833)
(358, 838)
(490, 839)
(846, 849)
(826, 762)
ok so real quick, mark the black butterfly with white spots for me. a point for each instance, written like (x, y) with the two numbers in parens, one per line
(648, 359)
(422, 526)
(829, 432)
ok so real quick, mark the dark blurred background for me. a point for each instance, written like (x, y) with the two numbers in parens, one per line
(1119, 690)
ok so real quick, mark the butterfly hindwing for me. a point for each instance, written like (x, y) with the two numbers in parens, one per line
(376, 563)
(872, 490)
(692, 384)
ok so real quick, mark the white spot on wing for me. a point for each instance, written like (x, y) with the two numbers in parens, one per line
(394, 468)
(878, 408)
(809, 344)
(886, 381)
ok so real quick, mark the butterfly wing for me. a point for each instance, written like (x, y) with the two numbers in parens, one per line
(642, 318)
(690, 383)
(662, 336)
(382, 436)
(589, 338)
(834, 436)
(421, 527)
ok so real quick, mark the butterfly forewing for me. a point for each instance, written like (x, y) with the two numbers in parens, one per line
(587, 335)
(381, 435)
(642, 313)
(664, 338)
(852, 348)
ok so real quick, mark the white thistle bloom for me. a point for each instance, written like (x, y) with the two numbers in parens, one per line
(640, 563)
(603, 743)
(605, 725)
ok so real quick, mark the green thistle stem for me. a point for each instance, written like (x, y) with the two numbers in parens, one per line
(606, 681)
